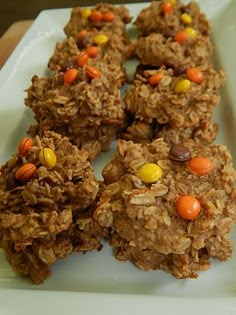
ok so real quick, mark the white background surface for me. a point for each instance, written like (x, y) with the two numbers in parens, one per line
(96, 283)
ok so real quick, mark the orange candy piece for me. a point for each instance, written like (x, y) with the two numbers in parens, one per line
(200, 165)
(82, 33)
(25, 172)
(155, 79)
(181, 37)
(92, 72)
(92, 51)
(82, 59)
(24, 146)
(70, 76)
(188, 207)
(108, 17)
(166, 8)
(96, 16)
(195, 75)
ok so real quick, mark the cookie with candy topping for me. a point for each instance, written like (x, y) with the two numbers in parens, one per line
(179, 100)
(103, 17)
(109, 47)
(169, 17)
(82, 103)
(185, 50)
(48, 193)
(169, 208)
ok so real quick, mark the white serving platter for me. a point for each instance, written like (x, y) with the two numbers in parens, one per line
(96, 283)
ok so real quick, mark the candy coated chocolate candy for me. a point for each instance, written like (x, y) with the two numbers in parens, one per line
(24, 146)
(200, 165)
(180, 70)
(188, 207)
(82, 42)
(67, 65)
(149, 172)
(179, 154)
(11, 182)
(47, 158)
(25, 172)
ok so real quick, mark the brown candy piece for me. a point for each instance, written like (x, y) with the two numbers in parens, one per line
(169, 33)
(180, 70)
(82, 42)
(97, 24)
(69, 64)
(185, 9)
(11, 182)
(179, 154)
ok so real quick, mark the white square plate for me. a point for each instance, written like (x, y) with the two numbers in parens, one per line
(96, 283)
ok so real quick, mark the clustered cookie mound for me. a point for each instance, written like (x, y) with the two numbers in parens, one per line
(169, 202)
(68, 54)
(103, 16)
(88, 110)
(176, 100)
(157, 50)
(172, 34)
(81, 99)
(100, 31)
(167, 199)
(169, 208)
(48, 191)
(168, 17)
(175, 89)
(142, 131)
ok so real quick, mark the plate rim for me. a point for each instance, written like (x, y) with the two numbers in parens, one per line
(124, 303)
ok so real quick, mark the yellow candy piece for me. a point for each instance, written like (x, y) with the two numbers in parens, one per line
(100, 39)
(186, 18)
(182, 86)
(191, 32)
(86, 13)
(173, 2)
(47, 157)
(149, 172)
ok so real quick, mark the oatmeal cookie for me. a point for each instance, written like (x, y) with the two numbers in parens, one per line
(48, 191)
(175, 99)
(84, 18)
(157, 50)
(88, 111)
(155, 19)
(141, 131)
(169, 208)
(106, 46)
